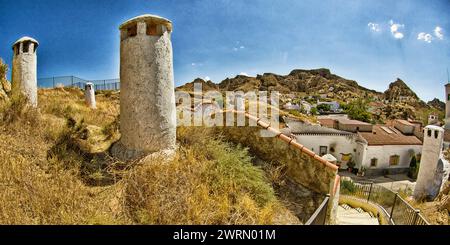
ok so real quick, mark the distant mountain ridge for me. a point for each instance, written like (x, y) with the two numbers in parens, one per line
(315, 81)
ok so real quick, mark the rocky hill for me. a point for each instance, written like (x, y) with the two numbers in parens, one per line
(399, 91)
(312, 82)
(206, 85)
(398, 101)
(437, 104)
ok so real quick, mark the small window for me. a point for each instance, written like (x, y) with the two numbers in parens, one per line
(16, 49)
(132, 31)
(429, 132)
(394, 160)
(323, 150)
(436, 134)
(152, 29)
(448, 97)
(373, 162)
(357, 129)
(25, 47)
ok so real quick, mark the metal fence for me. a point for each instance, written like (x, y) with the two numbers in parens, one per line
(398, 210)
(319, 217)
(72, 81)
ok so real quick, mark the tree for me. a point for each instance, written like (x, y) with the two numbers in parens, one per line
(413, 168)
(357, 110)
(323, 107)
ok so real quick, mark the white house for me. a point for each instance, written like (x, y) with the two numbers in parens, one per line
(386, 148)
(380, 149)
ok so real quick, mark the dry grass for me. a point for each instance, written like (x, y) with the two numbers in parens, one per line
(209, 182)
(54, 168)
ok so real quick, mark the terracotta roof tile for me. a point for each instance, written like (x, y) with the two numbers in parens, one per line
(379, 136)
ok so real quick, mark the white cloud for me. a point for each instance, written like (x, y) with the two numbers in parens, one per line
(426, 37)
(207, 78)
(235, 49)
(193, 64)
(438, 32)
(395, 29)
(241, 47)
(374, 27)
(243, 74)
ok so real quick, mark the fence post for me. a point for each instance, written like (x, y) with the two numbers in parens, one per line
(416, 215)
(326, 209)
(71, 77)
(53, 79)
(393, 206)
(370, 191)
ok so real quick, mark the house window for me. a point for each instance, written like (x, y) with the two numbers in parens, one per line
(429, 132)
(373, 162)
(394, 160)
(323, 150)
(436, 134)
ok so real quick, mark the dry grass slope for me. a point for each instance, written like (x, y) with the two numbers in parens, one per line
(55, 170)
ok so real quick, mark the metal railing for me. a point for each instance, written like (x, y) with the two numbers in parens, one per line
(398, 210)
(76, 82)
(319, 217)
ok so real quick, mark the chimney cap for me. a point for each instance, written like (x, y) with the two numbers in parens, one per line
(24, 39)
(148, 18)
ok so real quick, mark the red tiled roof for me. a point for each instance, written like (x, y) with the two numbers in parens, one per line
(447, 135)
(327, 122)
(404, 122)
(287, 139)
(379, 136)
(352, 122)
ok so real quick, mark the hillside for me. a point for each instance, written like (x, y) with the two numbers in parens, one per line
(311, 82)
(398, 101)
(56, 170)
(437, 104)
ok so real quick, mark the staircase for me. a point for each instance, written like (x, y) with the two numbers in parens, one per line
(347, 215)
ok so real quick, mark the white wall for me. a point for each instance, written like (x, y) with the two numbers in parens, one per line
(341, 143)
(383, 153)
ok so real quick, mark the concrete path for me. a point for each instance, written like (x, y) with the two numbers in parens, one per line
(347, 215)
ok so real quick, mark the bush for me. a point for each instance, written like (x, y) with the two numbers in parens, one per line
(209, 182)
(347, 187)
(357, 110)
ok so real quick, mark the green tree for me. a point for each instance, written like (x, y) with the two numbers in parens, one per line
(357, 110)
(413, 168)
(324, 107)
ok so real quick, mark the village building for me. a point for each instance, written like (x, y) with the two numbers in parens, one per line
(377, 148)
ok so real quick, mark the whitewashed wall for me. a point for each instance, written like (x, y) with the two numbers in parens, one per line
(383, 153)
(341, 143)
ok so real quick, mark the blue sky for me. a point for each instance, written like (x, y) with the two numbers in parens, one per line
(371, 41)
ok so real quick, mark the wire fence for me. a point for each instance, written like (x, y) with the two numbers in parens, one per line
(399, 211)
(76, 82)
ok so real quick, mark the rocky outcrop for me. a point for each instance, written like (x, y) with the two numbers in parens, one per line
(398, 91)
(313, 82)
(437, 104)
